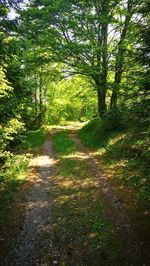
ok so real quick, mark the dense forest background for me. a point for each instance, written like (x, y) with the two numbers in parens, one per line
(77, 61)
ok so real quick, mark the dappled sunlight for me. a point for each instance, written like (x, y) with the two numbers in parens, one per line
(62, 199)
(67, 183)
(74, 131)
(74, 125)
(78, 218)
(116, 139)
(78, 209)
(119, 164)
(80, 156)
(93, 235)
(99, 152)
(37, 204)
(88, 183)
(22, 176)
(42, 161)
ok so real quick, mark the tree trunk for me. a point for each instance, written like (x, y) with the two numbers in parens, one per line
(114, 97)
(101, 81)
(102, 108)
(40, 116)
(120, 58)
(35, 98)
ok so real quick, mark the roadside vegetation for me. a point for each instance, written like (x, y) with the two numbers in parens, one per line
(33, 138)
(14, 170)
(12, 176)
(124, 152)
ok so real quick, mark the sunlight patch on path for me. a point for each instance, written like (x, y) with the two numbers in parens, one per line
(35, 238)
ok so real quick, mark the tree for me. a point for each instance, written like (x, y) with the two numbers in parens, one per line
(120, 54)
(79, 102)
(142, 101)
(87, 37)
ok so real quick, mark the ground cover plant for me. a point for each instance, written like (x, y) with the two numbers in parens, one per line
(14, 171)
(34, 138)
(125, 152)
(12, 176)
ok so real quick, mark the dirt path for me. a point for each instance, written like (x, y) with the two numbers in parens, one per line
(34, 243)
(114, 209)
(35, 238)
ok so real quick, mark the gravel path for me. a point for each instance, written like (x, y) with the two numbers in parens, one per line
(35, 239)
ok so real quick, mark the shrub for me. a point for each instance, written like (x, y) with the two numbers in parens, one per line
(113, 120)
(11, 133)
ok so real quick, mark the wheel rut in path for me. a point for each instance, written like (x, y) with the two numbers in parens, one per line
(35, 239)
(115, 211)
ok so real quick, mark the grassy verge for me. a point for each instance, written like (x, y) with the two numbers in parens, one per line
(125, 154)
(14, 172)
(12, 176)
(34, 138)
(81, 233)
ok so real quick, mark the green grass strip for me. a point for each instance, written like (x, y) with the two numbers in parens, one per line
(34, 138)
(62, 143)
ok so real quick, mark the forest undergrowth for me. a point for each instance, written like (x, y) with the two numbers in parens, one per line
(124, 153)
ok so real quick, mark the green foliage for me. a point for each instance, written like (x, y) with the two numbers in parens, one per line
(132, 149)
(13, 174)
(91, 133)
(78, 102)
(113, 120)
(77, 35)
(34, 138)
(141, 106)
(11, 133)
(5, 87)
(126, 152)
(97, 132)
(62, 143)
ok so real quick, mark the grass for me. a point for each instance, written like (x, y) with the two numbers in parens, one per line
(62, 143)
(125, 154)
(81, 233)
(12, 176)
(94, 134)
(14, 173)
(34, 138)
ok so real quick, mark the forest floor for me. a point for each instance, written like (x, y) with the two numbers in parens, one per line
(70, 213)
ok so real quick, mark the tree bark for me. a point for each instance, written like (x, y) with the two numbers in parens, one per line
(102, 108)
(102, 60)
(120, 58)
(40, 115)
(101, 96)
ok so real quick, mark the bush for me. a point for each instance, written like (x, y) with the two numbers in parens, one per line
(97, 132)
(113, 120)
(11, 133)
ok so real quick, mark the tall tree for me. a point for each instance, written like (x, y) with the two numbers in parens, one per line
(83, 35)
(120, 54)
(142, 101)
